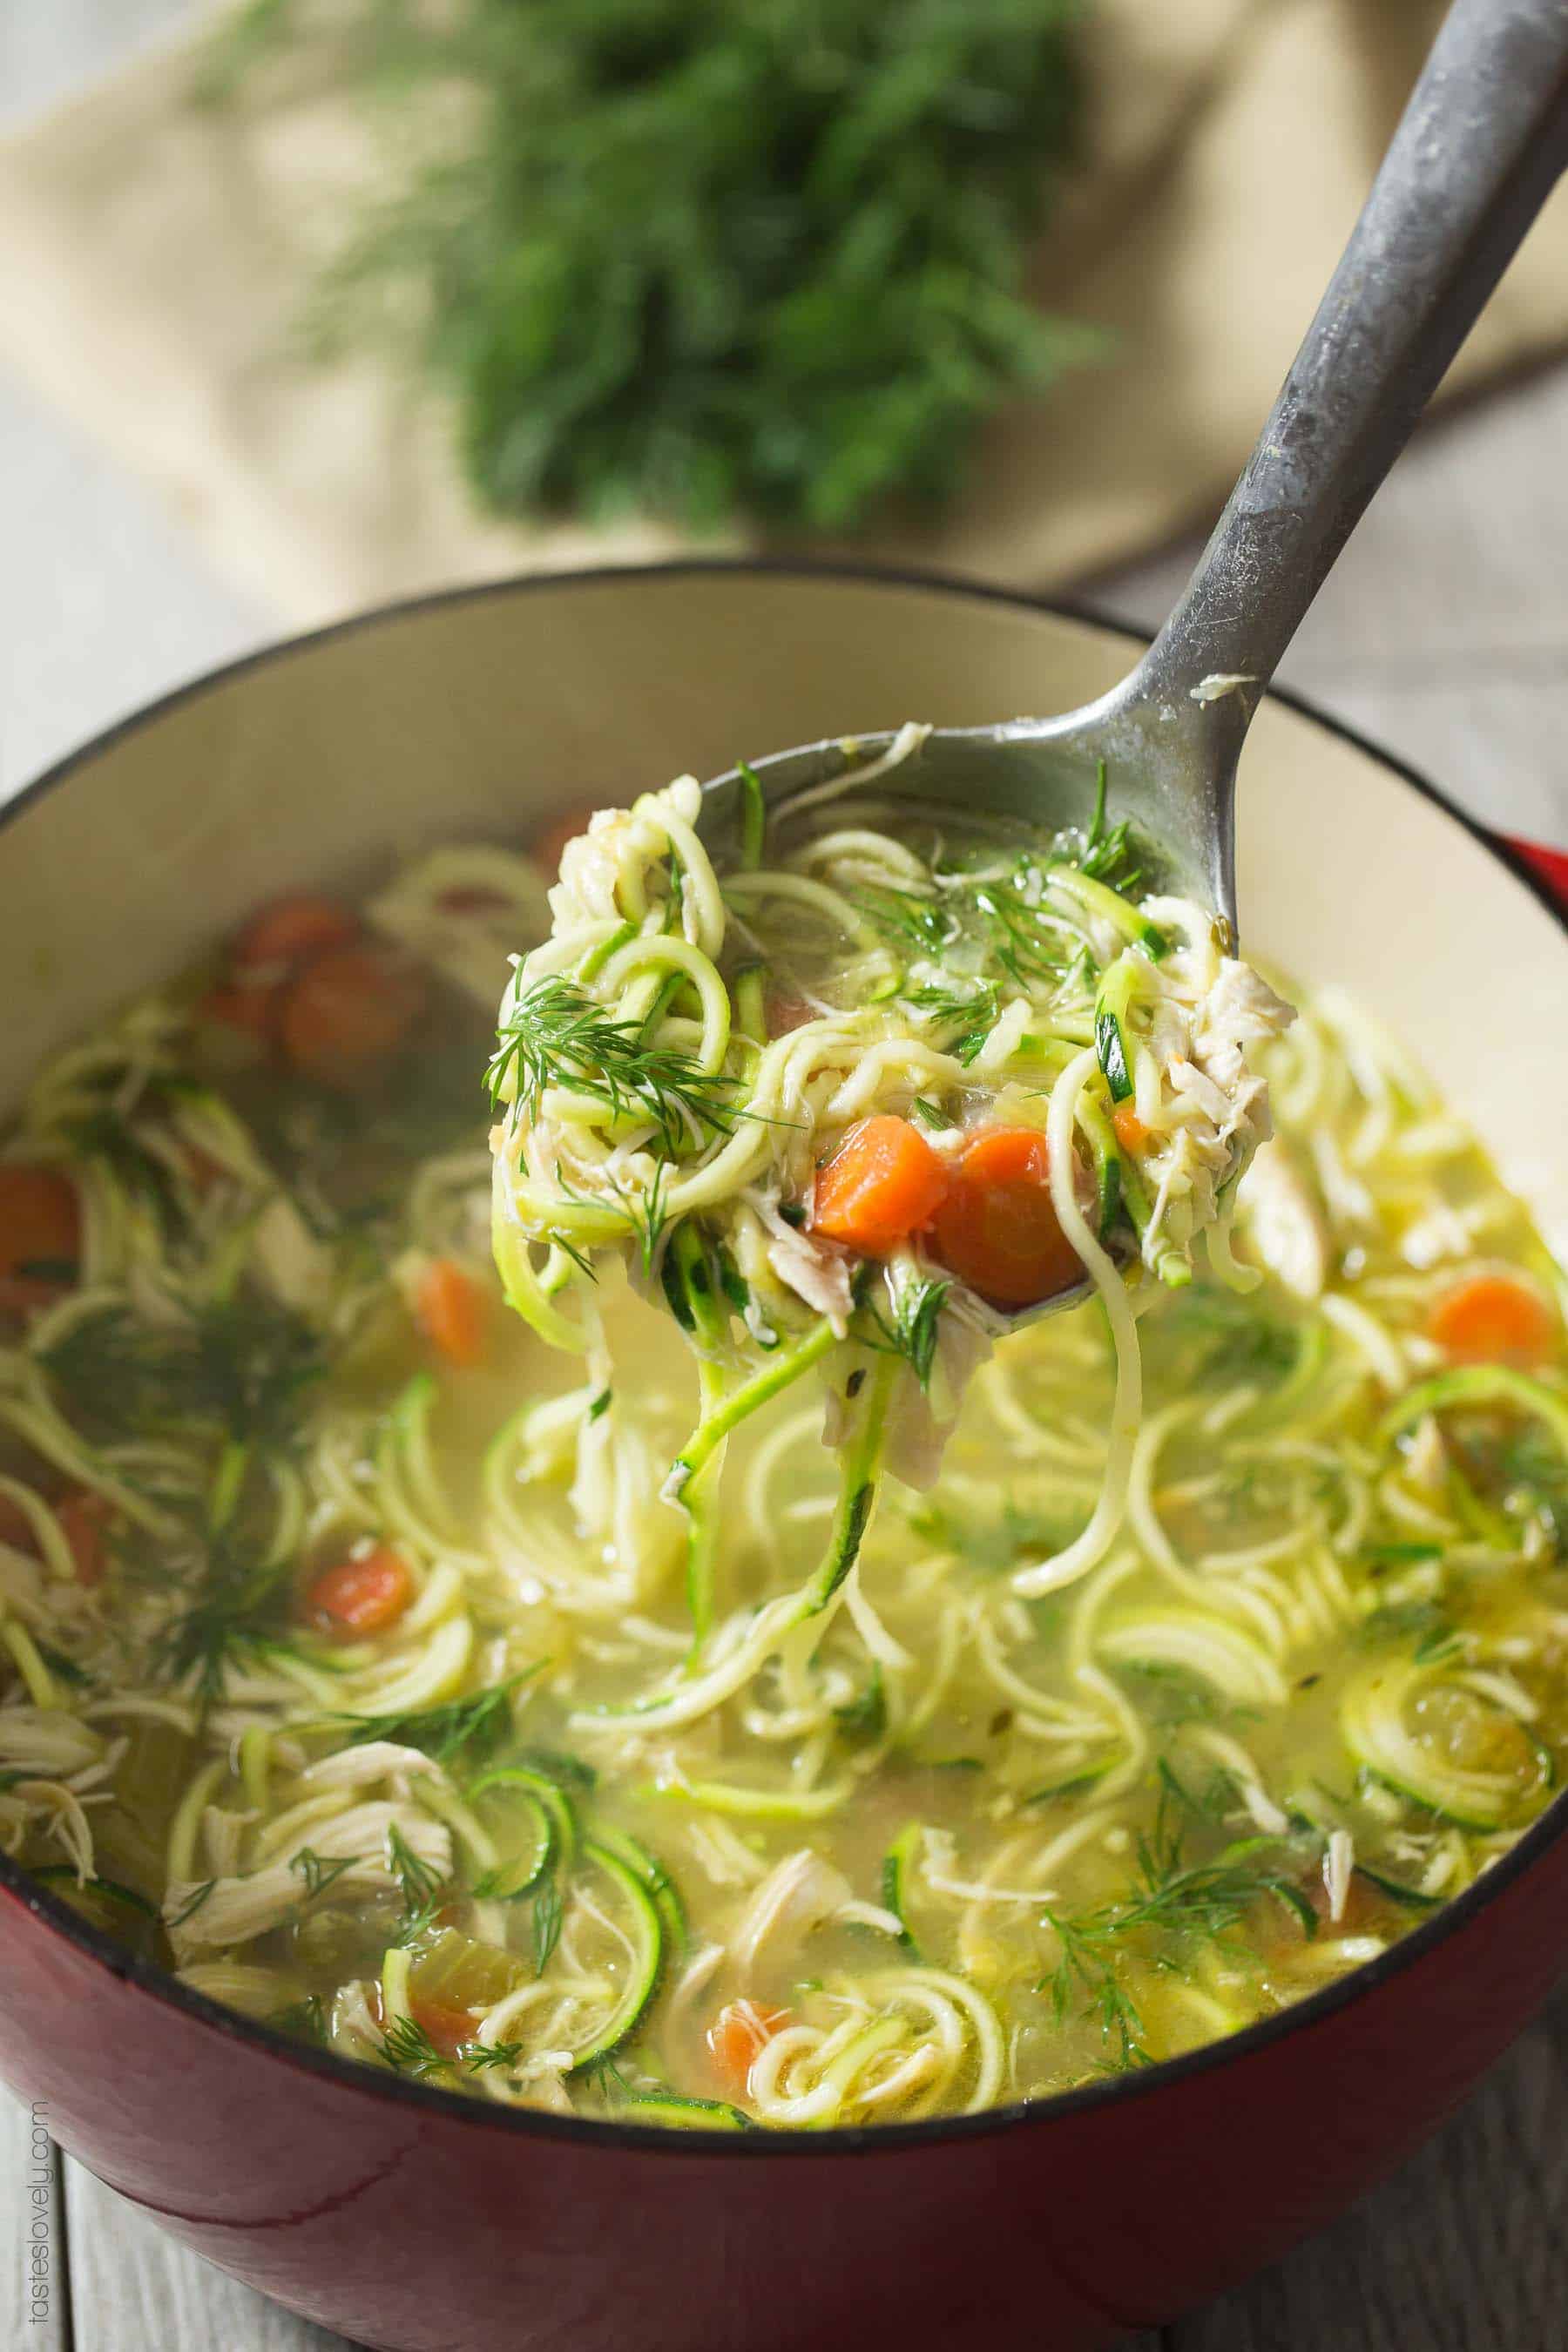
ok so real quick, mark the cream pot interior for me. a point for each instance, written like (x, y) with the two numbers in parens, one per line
(480, 714)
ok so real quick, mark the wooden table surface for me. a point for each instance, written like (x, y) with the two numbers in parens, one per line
(1443, 634)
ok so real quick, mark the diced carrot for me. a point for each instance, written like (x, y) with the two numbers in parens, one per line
(1493, 1318)
(996, 1229)
(84, 1520)
(451, 1307)
(40, 1235)
(248, 1005)
(288, 930)
(447, 2026)
(347, 1011)
(882, 1184)
(366, 1593)
(1131, 1132)
(472, 898)
(15, 1526)
(551, 840)
(739, 2035)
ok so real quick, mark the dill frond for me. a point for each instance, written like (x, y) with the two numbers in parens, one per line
(468, 1728)
(691, 258)
(557, 1035)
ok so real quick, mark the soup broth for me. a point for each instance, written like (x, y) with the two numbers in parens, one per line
(344, 1626)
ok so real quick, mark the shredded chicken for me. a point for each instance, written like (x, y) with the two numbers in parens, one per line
(799, 1895)
(1278, 1213)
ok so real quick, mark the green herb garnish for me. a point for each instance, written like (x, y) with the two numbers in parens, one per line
(468, 1728)
(549, 1909)
(557, 1037)
(418, 1881)
(914, 1324)
(1171, 1899)
(684, 256)
(407, 2046)
(317, 1871)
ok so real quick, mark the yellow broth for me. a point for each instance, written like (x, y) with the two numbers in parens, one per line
(949, 1846)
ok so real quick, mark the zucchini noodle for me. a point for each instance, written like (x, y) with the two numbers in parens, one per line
(812, 1007)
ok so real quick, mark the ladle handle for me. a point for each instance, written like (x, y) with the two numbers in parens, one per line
(1476, 155)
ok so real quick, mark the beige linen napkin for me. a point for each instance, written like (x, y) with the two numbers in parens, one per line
(153, 260)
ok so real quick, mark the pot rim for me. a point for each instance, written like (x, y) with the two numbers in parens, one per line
(1126, 2089)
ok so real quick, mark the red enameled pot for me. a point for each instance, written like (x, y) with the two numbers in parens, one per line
(420, 2222)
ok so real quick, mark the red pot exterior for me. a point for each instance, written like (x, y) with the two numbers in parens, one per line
(416, 2223)
(415, 2226)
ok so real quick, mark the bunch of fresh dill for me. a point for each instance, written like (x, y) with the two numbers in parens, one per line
(690, 257)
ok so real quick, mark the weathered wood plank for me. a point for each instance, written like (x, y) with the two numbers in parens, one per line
(1464, 2250)
(35, 2296)
(135, 2290)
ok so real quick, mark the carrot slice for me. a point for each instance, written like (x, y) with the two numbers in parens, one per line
(84, 1520)
(548, 842)
(996, 1229)
(15, 1526)
(366, 1593)
(40, 1235)
(346, 1011)
(450, 1308)
(248, 1005)
(289, 929)
(882, 1184)
(1493, 1318)
(1131, 1132)
(447, 2026)
(472, 898)
(739, 2035)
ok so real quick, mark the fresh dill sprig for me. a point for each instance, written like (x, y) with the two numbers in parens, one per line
(1108, 853)
(418, 1881)
(646, 1217)
(549, 1910)
(189, 1908)
(910, 920)
(914, 1326)
(478, 2055)
(234, 1603)
(307, 2018)
(317, 1871)
(972, 1012)
(241, 1366)
(468, 1727)
(1172, 1695)
(1011, 918)
(1083, 1968)
(557, 1035)
(1003, 916)
(407, 2046)
(691, 258)
(1172, 1899)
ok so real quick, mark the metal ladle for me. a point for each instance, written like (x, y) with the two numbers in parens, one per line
(1476, 151)
(1480, 146)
